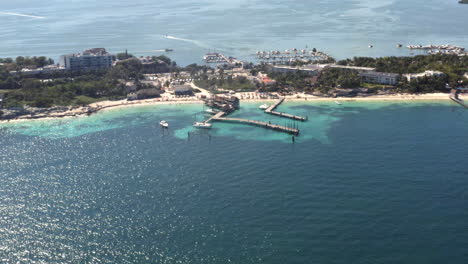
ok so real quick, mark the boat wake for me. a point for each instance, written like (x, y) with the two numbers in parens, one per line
(21, 15)
(196, 42)
(146, 51)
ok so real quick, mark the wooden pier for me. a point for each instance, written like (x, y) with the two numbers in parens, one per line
(219, 117)
(216, 116)
(271, 110)
(459, 101)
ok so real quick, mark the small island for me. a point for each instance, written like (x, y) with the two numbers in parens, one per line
(463, 2)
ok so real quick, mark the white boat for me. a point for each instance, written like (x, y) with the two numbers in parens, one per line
(164, 124)
(202, 125)
(264, 106)
(211, 111)
(338, 103)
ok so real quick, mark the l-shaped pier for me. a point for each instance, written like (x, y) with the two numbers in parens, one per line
(219, 117)
(271, 110)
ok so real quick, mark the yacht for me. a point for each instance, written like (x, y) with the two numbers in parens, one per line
(202, 125)
(164, 124)
(264, 106)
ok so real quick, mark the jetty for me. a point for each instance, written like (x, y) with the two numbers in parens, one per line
(227, 104)
(219, 117)
(454, 96)
(271, 110)
(459, 101)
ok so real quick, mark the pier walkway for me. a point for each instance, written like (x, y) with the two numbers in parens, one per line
(216, 116)
(219, 117)
(459, 101)
(271, 110)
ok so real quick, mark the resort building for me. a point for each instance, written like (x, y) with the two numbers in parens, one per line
(268, 82)
(183, 90)
(311, 70)
(380, 77)
(92, 59)
(413, 76)
(45, 70)
(356, 68)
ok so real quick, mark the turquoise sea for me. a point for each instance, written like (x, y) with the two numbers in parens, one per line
(239, 28)
(380, 182)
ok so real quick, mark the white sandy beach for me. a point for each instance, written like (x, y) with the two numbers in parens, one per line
(249, 97)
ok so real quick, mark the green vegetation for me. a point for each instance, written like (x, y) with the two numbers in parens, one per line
(70, 88)
(77, 91)
(226, 83)
(463, 1)
(340, 78)
(452, 65)
(79, 88)
(296, 81)
(25, 62)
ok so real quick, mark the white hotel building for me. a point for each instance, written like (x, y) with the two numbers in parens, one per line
(92, 59)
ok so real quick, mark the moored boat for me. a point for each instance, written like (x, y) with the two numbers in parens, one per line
(264, 106)
(202, 125)
(164, 124)
(211, 111)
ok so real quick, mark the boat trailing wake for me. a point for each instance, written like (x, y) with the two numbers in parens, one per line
(21, 15)
(196, 42)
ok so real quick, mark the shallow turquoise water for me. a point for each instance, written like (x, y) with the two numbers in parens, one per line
(322, 116)
(342, 28)
(364, 183)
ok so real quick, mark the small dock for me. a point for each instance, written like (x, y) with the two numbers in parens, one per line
(216, 116)
(271, 110)
(459, 101)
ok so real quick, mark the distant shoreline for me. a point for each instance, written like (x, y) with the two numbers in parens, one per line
(108, 105)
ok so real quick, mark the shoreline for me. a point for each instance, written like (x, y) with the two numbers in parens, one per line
(108, 105)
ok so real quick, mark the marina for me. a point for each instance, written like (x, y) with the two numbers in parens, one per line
(288, 56)
(218, 58)
(440, 49)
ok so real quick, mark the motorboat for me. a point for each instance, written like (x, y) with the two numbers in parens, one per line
(202, 125)
(168, 50)
(164, 124)
(338, 103)
(264, 106)
(211, 111)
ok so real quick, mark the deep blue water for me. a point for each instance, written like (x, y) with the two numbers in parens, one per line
(239, 28)
(380, 183)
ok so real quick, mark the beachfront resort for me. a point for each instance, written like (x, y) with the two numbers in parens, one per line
(87, 82)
